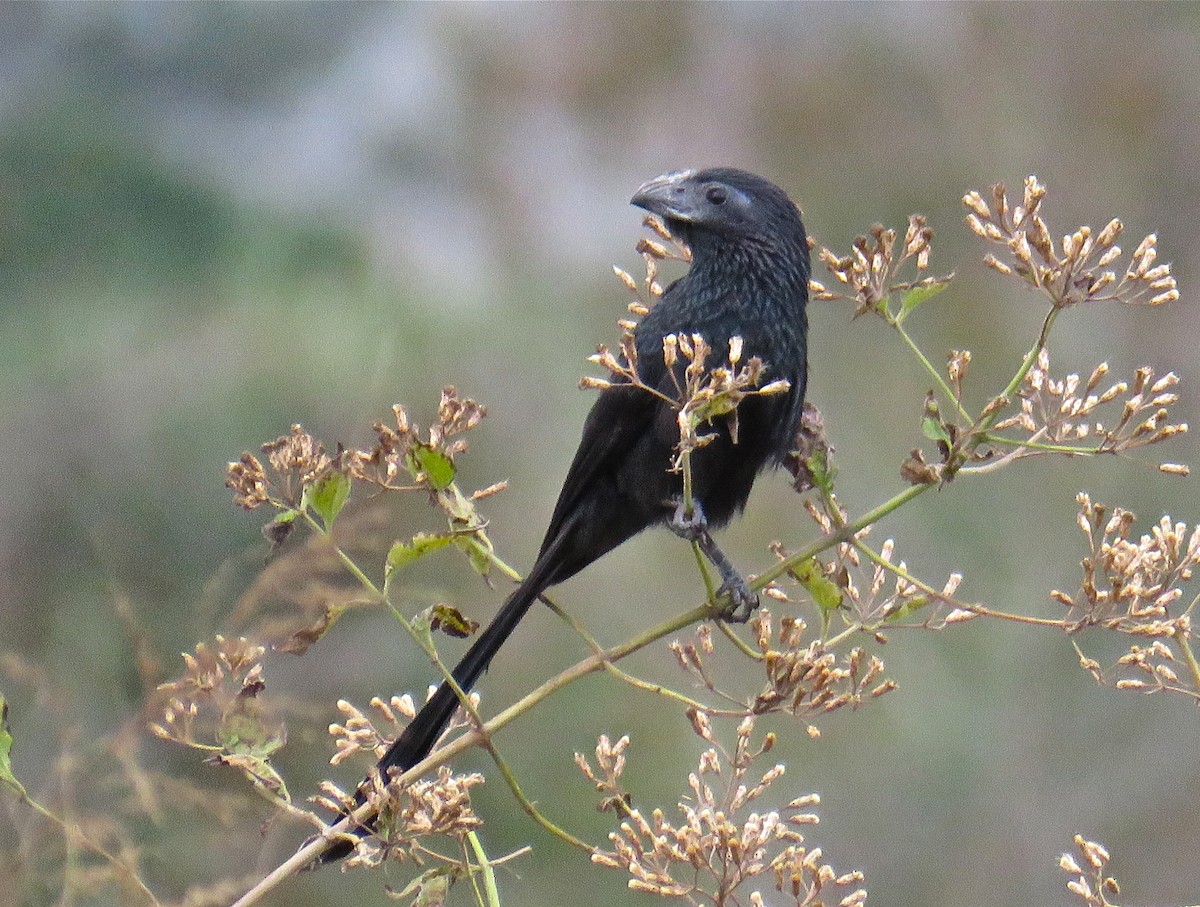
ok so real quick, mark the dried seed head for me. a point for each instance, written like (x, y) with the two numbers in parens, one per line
(626, 278)
(974, 201)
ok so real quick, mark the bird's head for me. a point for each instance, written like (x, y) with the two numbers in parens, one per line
(722, 206)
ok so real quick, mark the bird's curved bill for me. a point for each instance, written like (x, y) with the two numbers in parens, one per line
(666, 195)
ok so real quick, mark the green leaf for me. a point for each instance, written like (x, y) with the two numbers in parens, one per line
(822, 470)
(404, 553)
(460, 507)
(246, 735)
(328, 495)
(711, 410)
(6, 742)
(914, 296)
(824, 591)
(437, 467)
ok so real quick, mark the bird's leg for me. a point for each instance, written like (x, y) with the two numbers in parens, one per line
(694, 527)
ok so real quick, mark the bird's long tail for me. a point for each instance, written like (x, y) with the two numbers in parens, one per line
(417, 740)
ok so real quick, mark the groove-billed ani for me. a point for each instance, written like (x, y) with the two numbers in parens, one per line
(748, 277)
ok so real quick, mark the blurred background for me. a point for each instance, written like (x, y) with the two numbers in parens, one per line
(217, 220)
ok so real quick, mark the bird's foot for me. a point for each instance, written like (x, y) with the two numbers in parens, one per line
(738, 600)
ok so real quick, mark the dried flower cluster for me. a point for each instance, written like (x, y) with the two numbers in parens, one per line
(301, 479)
(1058, 416)
(719, 845)
(400, 451)
(217, 674)
(803, 678)
(871, 272)
(702, 394)
(1135, 587)
(807, 679)
(359, 734)
(1063, 415)
(1086, 868)
(610, 764)
(870, 587)
(710, 394)
(1077, 270)
(294, 461)
(400, 459)
(410, 815)
(215, 707)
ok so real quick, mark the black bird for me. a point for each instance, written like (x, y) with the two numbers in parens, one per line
(748, 277)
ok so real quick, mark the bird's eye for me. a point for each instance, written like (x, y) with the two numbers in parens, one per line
(716, 195)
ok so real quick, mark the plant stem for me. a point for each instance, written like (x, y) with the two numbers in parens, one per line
(527, 805)
(1026, 364)
(985, 611)
(936, 375)
(75, 836)
(838, 536)
(1190, 656)
(346, 561)
(1069, 449)
(485, 869)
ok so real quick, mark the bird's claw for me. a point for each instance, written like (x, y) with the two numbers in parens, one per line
(737, 600)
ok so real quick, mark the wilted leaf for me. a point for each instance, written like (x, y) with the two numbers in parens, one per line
(916, 471)
(811, 462)
(259, 771)
(298, 642)
(451, 622)
(427, 890)
(278, 530)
